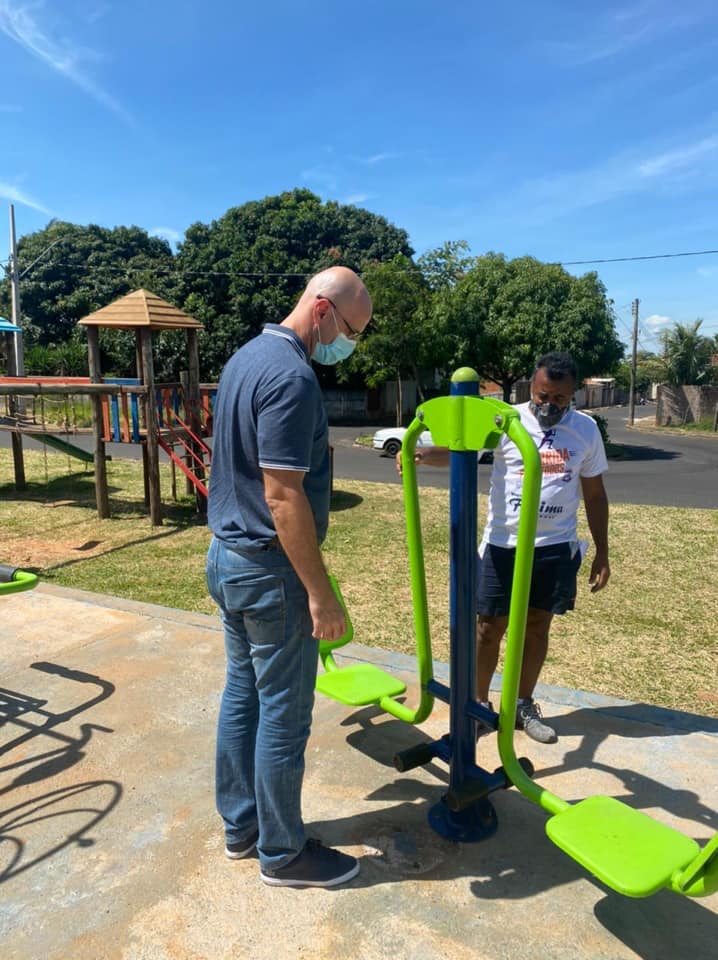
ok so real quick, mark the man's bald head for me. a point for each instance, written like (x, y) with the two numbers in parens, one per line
(345, 290)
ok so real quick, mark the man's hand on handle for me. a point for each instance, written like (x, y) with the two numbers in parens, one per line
(428, 456)
(328, 620)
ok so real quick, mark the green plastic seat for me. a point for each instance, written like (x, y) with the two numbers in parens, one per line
(359, 684)
(623, 847)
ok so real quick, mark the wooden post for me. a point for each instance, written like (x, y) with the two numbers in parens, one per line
(102, 496)
(153, 457)
(192, 402)
(18, 458)
(145, 471)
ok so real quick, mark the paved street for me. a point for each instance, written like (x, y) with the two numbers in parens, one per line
(659, 469)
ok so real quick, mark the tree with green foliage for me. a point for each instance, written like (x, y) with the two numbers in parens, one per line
(444, 266)
(73, 270)
(68, 271)
(687, 355)
(396, 343)
(249, 267)
(650, 369)
(502, 314)
(68, 359)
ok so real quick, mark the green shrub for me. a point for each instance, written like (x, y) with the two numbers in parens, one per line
(602, 425)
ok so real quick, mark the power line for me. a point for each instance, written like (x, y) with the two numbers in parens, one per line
(259, 275)
(626, 331)
(255, 274)
(166, 270)
(653, 256)
(623, 323)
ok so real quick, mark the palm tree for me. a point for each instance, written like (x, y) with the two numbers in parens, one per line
(687, 354)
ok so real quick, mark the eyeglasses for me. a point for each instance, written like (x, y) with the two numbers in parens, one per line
(354, 334)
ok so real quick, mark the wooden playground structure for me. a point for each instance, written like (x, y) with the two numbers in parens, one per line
(173, 417)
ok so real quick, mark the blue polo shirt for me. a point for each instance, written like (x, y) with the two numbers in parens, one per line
(268, 412)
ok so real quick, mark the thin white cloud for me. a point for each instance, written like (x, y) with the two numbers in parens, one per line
(633, 12)
(677, 159)
(96, 11)
(10, 108)
(615, 32)
(14, 195)
(169, 233)
(354, 198)
(379, 158)
(321, 176)
(657, 322)
(20, 22)
(626, 173)
(581, 54)
(707, 271)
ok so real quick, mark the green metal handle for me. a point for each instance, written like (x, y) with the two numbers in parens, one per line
(518, 609)
(326, 647)
(22, 580)
(418, 583)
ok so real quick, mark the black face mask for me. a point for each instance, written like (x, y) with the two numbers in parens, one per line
(547, 414)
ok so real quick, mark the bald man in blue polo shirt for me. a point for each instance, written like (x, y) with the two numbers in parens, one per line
(268, 512)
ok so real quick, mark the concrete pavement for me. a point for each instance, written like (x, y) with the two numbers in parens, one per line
(110, 846)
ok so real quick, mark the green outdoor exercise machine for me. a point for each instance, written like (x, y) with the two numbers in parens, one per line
(623, 847)
(13, 580)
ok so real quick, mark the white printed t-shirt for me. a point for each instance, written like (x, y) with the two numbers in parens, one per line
(570, 450)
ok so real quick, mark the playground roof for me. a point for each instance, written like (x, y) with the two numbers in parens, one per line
(8, 327)
(141, 308)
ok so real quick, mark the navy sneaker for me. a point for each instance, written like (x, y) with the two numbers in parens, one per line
(316, 866)
(242, 849)
(530, 720)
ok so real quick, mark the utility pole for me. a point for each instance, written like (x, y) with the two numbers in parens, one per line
(16, 364)
(15, 297)
(632, 395)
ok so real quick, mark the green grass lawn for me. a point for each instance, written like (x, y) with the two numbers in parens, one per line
(650, 636)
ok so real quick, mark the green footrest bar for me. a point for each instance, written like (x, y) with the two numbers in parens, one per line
(623, 847)
(13, 580)
(359, 684)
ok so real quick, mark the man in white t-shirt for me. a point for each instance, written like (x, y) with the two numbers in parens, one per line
(573, 462)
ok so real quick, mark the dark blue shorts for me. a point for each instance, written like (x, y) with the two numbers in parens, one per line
(553, 582)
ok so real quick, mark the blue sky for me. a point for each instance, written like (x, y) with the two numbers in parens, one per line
(564, 129)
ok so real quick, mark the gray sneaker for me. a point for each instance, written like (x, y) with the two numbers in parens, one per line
(530, 720)
(316, 866)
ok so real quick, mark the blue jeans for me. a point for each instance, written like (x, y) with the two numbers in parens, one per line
(266, 709)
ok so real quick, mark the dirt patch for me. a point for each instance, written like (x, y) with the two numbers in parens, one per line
(34, 553)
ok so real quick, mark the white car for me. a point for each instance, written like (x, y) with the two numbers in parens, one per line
(389, 440)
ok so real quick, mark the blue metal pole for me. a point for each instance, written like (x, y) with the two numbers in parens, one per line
(462, 599)
(464, 814)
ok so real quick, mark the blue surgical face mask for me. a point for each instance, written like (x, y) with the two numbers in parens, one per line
(339, 349)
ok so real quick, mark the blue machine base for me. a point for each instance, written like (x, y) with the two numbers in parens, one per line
(478, 822)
